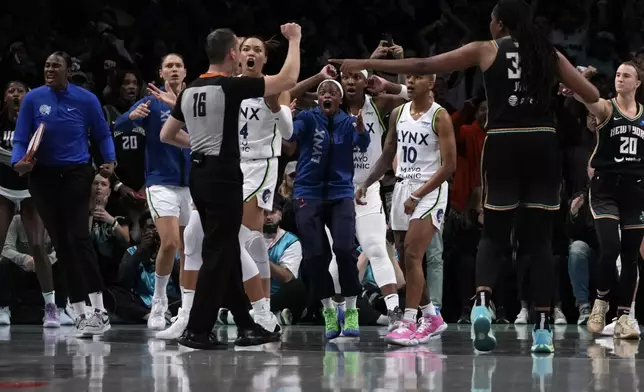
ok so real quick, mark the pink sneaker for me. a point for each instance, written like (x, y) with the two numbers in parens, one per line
(403, 335)
(429, 326)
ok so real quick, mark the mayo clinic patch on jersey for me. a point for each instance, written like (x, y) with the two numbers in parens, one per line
(266, 195)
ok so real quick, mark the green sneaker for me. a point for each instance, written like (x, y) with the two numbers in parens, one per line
(331, 326)
(351, 327)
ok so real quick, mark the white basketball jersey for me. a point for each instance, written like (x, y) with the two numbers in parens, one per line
(418, 154)
(364, 161)
(258, 134)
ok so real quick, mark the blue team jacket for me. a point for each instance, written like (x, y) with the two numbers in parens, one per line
(165, 164)
(325, 166)
(68, 115)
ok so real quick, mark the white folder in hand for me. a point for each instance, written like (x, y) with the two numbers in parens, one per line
(34, 143)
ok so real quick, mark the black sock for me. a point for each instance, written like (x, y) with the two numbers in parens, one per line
(622, 311)
(543, 320)
(604, 296)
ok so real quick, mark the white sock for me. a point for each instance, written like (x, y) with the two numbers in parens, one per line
(351, 302)
(50, 297)
(392, 301)
(410, 315)
(428, 309)
(342, 304)
(186, 301)
(96, 299)
(328, 303)
(160, 285)
(261, 307)
(382, 320)
(79, 308)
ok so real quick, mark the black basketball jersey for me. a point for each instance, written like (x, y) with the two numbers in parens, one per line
(130, 151)
(620, 148)
(509, 106)
(9, 178)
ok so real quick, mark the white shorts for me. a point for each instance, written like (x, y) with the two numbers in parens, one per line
(373, 200)
(15, 196)
(433, 205)
(260, 179)
(167, 200)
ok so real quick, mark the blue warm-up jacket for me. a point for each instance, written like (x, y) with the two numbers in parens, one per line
(68, 114)
(165, 164)
(325, 166)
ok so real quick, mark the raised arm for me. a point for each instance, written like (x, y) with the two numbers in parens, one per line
(447, 145)
(459, 59)
(287, 78)
(575, 81)
(388, 151)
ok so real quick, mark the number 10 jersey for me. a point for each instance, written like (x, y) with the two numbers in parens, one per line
(418, 155)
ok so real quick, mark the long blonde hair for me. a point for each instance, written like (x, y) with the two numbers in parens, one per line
(285, 190)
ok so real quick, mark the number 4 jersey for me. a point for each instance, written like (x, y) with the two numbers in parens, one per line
(620, 148)
(418, 154)
(258, 134)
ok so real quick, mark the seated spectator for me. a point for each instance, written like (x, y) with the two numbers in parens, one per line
(110, 235)
(582, 253)
(18, 281)
(288, 293)
(131, 295)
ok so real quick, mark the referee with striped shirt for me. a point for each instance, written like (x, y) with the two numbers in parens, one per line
(210, 109)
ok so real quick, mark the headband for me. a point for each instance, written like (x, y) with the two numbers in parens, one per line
(363, 72)
(334, 82)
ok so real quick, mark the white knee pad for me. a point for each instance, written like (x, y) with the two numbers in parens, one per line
(193, 241)
(249, 268)
(254, 243)
(371, 231)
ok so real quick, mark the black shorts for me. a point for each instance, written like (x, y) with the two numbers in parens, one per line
(619, 197)
(521, 168)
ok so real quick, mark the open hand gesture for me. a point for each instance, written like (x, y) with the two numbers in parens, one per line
(168, 96)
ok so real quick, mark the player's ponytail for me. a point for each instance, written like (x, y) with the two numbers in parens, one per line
(537, 56)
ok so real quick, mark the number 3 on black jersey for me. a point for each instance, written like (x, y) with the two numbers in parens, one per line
(514, 70)
(199, 105)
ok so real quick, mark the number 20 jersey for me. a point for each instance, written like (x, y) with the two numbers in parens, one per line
(418, 155)
(258, 134)
(620, 148)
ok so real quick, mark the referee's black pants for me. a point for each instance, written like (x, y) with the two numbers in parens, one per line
(61, 195)
(216, 188)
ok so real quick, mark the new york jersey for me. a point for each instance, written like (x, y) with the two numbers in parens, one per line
(509, 105)
(130, 150)
(258, 134)
(620, 144)
(364, 161)
(418, 154)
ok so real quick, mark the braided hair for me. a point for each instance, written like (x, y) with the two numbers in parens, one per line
(537, 56)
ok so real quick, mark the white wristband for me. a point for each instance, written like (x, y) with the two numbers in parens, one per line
(403, 92)
(414, 198)
(117, 186)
